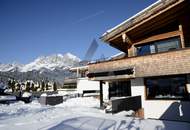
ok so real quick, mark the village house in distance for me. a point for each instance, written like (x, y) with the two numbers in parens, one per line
(82, 85)
(157, 63)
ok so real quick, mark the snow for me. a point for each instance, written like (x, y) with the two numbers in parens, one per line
(2, 86)
(44, 95)
(51, 62)
(71, 56)
(10, 67)
(3, 98)
(118, 54)
(126, 113)
(26, 94)
(91, 94)
(44, 62)
(129, 19)
(75, 114)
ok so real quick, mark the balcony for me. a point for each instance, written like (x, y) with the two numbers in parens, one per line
(166, 63)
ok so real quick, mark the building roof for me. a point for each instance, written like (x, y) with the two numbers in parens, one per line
(79, 68)
(70, 80)
(153, 9)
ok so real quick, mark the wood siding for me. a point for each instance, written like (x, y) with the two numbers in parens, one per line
(167, 63)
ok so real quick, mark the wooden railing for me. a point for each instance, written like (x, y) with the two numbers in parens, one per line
(165, 63)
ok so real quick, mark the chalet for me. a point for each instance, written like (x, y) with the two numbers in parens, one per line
(156, 67)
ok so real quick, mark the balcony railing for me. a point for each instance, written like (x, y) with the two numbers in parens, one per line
(165, 63)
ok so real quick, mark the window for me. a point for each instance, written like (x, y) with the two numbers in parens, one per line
(83, 74)
(167, 45)
(159, 46)
(168, 87)
(143, 50)
(119, 89)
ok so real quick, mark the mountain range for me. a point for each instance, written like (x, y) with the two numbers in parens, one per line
(44, 62)
(53, 67)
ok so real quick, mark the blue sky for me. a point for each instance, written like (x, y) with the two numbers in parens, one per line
(32, 28)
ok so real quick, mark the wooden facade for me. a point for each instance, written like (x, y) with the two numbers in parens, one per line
(166, 63)
(166, 19)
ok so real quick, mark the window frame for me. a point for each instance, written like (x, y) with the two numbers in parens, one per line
(118, 89)
(156, 43)
(186, 94)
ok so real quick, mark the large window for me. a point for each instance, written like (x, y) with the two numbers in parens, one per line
(159, 46)
(119, 89)
(168, 87)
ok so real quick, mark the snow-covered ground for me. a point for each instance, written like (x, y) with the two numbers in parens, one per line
(75, 114)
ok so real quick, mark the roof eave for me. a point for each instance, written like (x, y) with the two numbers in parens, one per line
(108, 35)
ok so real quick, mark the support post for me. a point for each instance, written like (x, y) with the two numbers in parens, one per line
(182, 36)
(101, 94)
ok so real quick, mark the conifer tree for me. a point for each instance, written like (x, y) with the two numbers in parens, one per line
(43, 86)
(32, 87)
(54, 86)
(28, 86)
(13, 85)
(47, 86)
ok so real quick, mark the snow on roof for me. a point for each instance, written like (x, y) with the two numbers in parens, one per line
(141, 12)
(118, 54)
(79, 68)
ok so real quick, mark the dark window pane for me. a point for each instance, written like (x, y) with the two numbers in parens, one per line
(143, 50)
(119, 89)
(167, 45)
(159, 46)
(166, 87)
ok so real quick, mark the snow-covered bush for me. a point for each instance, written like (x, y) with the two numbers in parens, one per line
(26, 94)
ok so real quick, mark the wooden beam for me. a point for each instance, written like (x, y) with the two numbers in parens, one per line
(129, 41)
(182, 36)
(159, 37)
(126, 39)
(124, 36)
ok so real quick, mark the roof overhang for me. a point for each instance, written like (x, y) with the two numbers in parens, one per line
(159, 14)
(118, 74)
(113, 78)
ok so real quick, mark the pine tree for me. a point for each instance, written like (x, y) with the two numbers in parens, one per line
(54, 86)
(32, 87)
(18, 87)
(13, 85)
(28, 87)
(9, 83)
(43, 86)
(47, 86)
